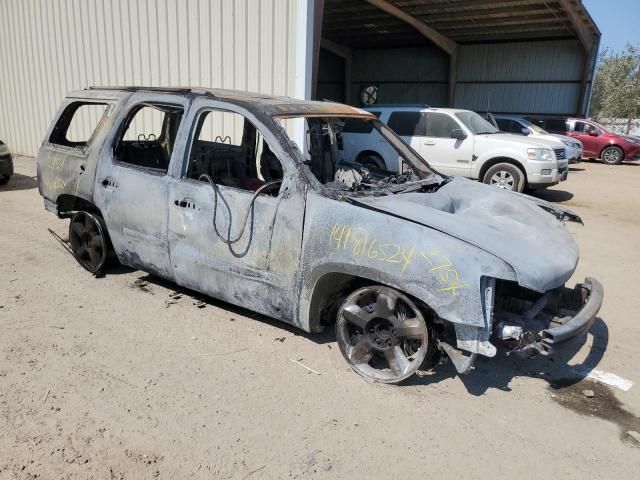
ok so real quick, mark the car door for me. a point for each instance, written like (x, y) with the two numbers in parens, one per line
(131, 188)
(451, 156)
(227, 238)
(592, 143)
(508, 125)
(410, 125)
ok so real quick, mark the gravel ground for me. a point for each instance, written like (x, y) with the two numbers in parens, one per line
(110, 378)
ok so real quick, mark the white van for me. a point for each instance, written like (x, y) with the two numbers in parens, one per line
(458, 142)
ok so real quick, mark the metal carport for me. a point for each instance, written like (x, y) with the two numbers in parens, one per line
(516, 56)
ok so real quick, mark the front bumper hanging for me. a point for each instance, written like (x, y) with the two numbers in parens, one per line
(571, 328)
(545, 324)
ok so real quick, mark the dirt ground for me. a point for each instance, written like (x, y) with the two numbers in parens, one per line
(110, 378)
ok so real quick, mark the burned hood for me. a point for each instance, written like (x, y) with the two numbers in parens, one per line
(524, 232)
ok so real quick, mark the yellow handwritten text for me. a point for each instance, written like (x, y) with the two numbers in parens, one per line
(54, 184)
(55, 164)
(358, 243)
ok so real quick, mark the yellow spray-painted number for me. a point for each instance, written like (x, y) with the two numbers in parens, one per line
(55, 164)
(54, 184)
(360, 245)
(357, 242)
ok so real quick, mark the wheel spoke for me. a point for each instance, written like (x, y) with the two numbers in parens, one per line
(360, 352)
(77, 229)
(356, 315)
(97, 243)
(386, 304)
(411, 328)
(398, 361)
(94, 256)
(81, 252)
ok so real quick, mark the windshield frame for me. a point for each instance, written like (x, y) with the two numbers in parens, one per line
(465, 117)
(420, 167)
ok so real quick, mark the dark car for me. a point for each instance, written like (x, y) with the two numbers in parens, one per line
(6, 163)
(610, 147)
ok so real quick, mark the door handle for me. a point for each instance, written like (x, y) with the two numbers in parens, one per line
(185, 203)
(430, 143)
(109, 182)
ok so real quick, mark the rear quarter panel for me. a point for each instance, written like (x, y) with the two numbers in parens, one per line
(63, 170)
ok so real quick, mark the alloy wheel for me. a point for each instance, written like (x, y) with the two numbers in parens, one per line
(87, 241)
(503, 179)
(382, 334)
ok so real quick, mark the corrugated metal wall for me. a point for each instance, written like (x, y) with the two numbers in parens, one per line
(403, 75)
(523, 77)
(48, 48)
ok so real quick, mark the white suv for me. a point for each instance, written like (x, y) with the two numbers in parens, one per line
(459, 142)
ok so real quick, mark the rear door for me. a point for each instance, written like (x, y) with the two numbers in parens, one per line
(448, 155)
(131, 188)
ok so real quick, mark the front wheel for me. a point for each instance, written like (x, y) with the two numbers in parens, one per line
(612, 155)
(505, 176)
(382, 334)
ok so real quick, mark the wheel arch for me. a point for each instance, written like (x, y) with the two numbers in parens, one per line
(496, 160)
(67, 204)
(369, 152)
(609, 146)
(333, 286)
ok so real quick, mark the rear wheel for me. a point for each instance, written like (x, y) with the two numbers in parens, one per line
(89, 241)
(372, 160)
(382, 334)
(505, 176)
(612, 155)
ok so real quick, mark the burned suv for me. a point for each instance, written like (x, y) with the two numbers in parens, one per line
(205, 188)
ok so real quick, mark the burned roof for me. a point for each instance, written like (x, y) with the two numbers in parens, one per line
(273, 105)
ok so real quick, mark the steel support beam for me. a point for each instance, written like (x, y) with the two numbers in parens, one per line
(440, 40)
(347, 55)
(590, 41)
(445, 43)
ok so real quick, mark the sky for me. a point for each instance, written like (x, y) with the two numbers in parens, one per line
(618, 21)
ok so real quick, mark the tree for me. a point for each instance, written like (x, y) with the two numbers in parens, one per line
(616, 89)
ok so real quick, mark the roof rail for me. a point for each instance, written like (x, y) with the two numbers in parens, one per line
(138, 88)
(386, 105)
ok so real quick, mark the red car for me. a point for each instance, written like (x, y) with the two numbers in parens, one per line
(610, 147)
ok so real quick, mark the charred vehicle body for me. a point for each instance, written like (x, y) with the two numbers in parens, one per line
(205, 188)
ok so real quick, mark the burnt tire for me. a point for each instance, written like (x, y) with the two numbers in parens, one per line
(372, 161)
(89, 241)
(382, 334)
(612, 155)
(506, 176)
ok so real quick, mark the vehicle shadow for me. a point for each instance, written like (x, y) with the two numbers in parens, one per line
(19, 182)
(554, 196)
(499, 371)
(325, 337)
(489, 373)
(629, 163)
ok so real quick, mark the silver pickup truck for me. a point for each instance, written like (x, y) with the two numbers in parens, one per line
(205, 188)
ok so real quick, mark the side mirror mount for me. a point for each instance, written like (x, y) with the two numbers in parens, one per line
(525, 131)
(593, 132)
(458, 134)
